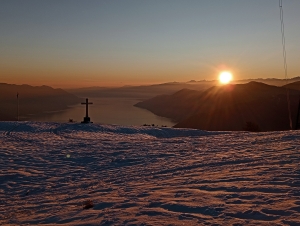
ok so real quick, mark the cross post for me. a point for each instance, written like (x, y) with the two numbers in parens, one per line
(86, 119)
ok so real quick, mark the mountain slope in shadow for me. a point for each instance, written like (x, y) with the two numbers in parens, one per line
(32, 100)
(229, 107)
(144, 92)
(176, 106)
(294, 85)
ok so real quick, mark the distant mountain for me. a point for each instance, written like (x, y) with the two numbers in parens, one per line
(227, 107)
(177, 106)
(294, 85)
(147, 91)
(270, 81)
(32, 100)
(140, 92)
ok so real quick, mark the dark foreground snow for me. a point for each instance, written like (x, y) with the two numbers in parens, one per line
(146, 176)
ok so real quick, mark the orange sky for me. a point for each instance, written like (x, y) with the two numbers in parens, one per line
(105, 43)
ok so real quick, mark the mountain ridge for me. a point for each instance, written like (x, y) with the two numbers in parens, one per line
(227, 107)
(32, 100)
(144, 92)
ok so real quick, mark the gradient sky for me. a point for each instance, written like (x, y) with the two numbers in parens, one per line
(72, 43)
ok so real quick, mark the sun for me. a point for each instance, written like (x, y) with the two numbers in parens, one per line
(225, 77)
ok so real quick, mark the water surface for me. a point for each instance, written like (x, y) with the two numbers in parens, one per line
(118, 111)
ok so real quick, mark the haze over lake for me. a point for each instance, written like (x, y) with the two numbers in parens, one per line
(118, 111)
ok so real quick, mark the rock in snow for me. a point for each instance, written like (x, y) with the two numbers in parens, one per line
(146, 176)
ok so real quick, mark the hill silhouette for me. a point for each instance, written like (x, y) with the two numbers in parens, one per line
(141, 92)
(144, 92)
(32, 100)
(294, 85)
(229, 107)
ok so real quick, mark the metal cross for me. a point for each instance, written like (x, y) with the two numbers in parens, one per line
(86, 118)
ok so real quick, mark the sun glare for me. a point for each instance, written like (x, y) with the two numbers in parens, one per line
(225, 77)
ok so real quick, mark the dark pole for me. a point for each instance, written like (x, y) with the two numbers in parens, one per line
(18, 106)
(86, 107)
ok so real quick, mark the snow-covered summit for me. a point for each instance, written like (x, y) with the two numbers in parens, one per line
(146, 176)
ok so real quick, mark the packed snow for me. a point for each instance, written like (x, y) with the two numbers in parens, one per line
(92, 174)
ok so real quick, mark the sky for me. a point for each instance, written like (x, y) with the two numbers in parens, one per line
(79, 43)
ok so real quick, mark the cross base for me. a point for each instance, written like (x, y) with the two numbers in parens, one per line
(86, 120)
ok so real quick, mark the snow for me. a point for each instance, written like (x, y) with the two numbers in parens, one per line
(146, 176)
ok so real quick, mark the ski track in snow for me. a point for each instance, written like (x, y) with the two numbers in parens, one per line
(146, 176)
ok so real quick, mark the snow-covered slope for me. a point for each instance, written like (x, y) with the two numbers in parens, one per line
(146, 176)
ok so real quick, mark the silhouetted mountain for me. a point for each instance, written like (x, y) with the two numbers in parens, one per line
(32, 100)
(227, 107)
(141, 92)
(177, 106)
(294, 85)
(270, 81)
(148, 91)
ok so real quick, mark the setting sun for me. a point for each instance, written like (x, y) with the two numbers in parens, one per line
(225, 77)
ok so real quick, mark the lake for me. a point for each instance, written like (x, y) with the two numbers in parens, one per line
(118, 111)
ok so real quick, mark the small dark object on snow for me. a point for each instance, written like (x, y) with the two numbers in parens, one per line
(88, 204)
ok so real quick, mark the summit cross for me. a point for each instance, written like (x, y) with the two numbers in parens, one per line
(86, 119)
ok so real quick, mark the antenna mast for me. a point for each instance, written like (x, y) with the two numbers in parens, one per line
(285, 62)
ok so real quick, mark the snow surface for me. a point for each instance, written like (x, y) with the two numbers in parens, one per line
(146, 176)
